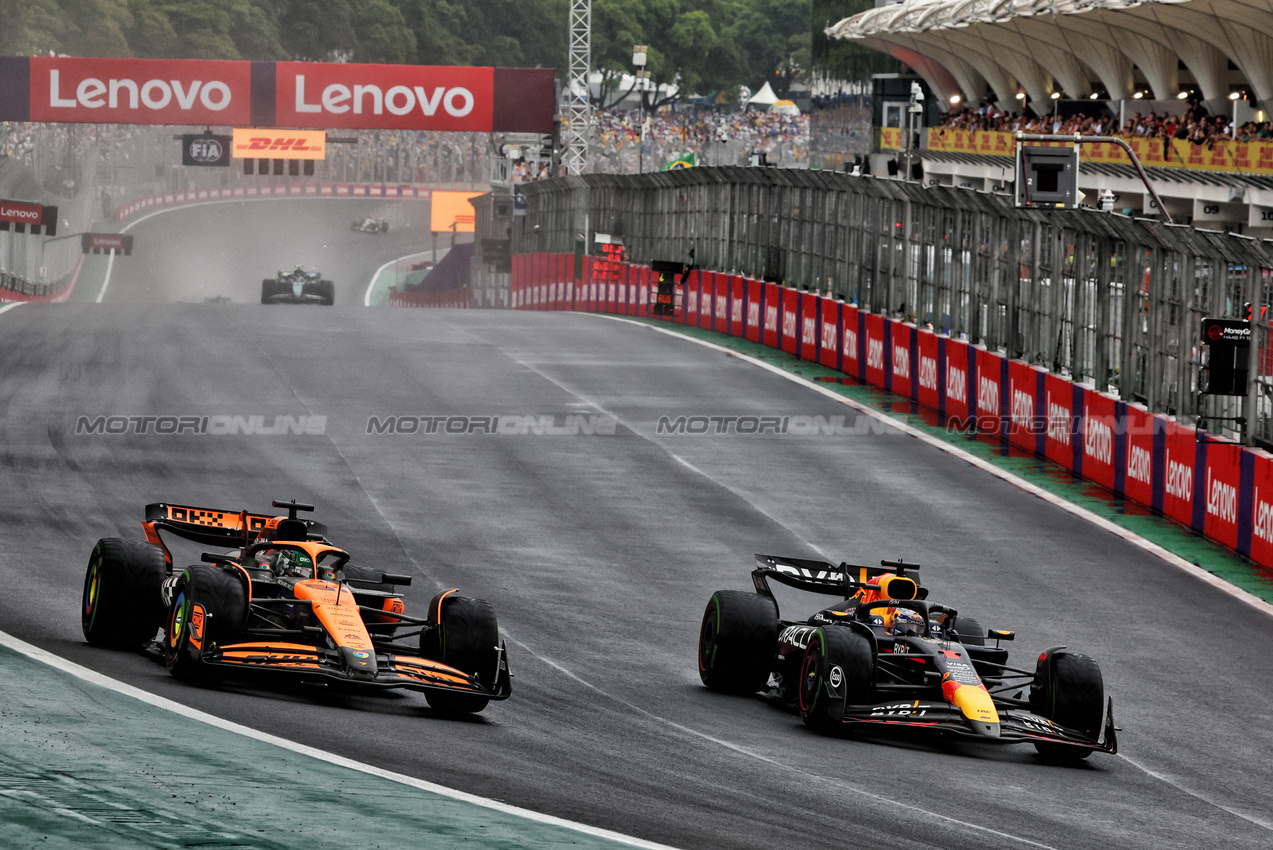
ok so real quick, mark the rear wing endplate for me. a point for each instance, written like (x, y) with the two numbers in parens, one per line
(212, 527)
(823, 577)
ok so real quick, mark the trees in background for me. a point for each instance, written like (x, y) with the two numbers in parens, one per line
(700, 45)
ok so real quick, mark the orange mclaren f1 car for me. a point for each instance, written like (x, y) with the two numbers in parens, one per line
(887, 659)
(284, 600)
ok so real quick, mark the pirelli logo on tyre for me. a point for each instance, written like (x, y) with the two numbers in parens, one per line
(279, 144)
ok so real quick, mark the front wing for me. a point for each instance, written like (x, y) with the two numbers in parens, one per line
(1016, 725)
(307, 296)
(393, 670)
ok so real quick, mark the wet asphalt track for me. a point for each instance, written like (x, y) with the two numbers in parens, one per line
(599, 553)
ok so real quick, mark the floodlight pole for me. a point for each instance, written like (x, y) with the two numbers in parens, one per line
(1080, 139)
(578, 107)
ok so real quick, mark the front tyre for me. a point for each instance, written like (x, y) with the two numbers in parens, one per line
(122, 606)
(1068, 689)
(209, 607)
(970, 632)
(327, 291)
(463, 634)
(737, 641)
(838, 670)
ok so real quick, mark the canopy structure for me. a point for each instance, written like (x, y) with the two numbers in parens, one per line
(764, 97)
(1075, 48)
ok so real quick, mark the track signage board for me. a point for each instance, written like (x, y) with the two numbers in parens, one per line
(21, 215)
(70, 89)
(279, 144)
(97, 243)
(205, 149)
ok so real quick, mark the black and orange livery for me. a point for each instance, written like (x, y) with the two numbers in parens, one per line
(885, 658)
(280, 598)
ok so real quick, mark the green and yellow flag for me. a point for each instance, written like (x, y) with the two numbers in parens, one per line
(681, 160)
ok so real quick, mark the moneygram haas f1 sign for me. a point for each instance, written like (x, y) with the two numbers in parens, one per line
(276, 94)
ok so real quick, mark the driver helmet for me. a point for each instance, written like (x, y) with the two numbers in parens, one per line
(290, 562)
(907, 622)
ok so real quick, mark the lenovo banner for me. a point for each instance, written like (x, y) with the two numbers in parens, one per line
(140, 91)
(276, 94)
(97, 243)
(21, 215)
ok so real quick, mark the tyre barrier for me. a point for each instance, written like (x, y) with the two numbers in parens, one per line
(443, 298)
(1213, 486)
(17, 288)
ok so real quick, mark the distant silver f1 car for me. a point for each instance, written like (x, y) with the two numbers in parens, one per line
(370, 225)
(298, 287)
(884, 658)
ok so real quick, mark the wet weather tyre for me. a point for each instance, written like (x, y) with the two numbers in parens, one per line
(122, 606)
(838, 670)
(209, 607)
(1068, 689)
(465, 635)
(737, 641)
(327, 290)
(269, 288)
(971, 633)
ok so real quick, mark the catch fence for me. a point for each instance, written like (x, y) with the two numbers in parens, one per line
(1108, 301)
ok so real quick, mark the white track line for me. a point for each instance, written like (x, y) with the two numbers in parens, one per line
(106, 280)
(7, 307)
(1034, 490)
(186, 711)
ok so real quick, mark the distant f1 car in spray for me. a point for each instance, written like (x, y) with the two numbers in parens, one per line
(298, 287)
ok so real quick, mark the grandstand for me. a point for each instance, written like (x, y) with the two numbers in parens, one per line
(1117, 60)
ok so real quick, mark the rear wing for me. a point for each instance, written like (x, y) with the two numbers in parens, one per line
(212, 527)
(821, 577)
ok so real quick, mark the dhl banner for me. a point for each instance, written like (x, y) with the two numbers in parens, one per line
(1226, 155)
(279, 144)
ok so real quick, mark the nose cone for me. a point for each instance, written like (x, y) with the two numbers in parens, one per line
(360, 663)
(986, 730)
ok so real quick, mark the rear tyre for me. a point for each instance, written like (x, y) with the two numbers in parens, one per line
(837, 671)
(466, 637)
(122, 606)
(209, 607)
(327, 290)
(737, 641)
(970, 632)
(269, 288)
(1068, 689)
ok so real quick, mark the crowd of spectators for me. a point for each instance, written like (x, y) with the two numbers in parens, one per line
(715, 138)
(1194, 125)
(132, 159)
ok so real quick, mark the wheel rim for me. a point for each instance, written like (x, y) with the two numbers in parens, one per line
(811, 674)
(707, 638)
(178, 623)
(92, 589)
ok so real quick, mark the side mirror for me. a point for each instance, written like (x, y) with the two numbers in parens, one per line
(394, 578)
(1000, 634)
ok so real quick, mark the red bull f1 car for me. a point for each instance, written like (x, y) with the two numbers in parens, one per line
(298, 287)
(279, 598)
(885, 658)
